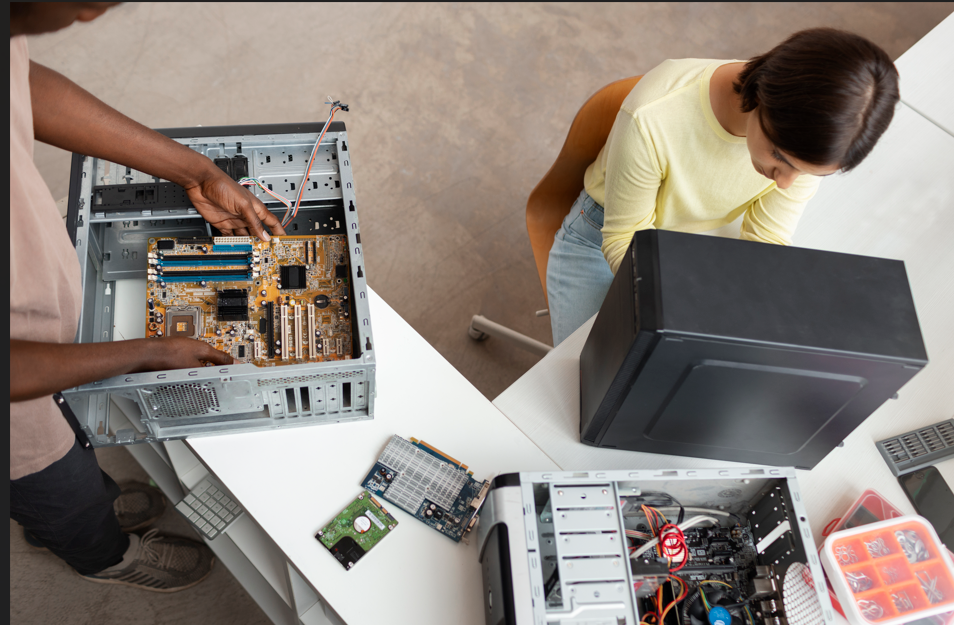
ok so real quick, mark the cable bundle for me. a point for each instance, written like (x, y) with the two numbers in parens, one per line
(292, 211)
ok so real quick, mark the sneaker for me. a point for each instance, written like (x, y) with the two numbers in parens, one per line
(138, 506)
(159, 563)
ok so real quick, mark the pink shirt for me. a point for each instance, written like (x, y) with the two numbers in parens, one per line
(45, 285)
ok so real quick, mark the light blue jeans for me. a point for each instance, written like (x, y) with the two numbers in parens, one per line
(578, 276)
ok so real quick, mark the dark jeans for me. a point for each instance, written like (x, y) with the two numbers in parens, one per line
(68, 507)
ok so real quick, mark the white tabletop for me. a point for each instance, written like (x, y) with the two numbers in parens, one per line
(898, 204)
(927, 75)
(292, 482)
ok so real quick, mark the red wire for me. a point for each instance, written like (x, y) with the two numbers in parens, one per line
(673, 543)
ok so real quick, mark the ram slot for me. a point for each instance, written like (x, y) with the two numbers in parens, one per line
(270, 329)
(311, 332)
(298, 351)
(181, 258)
(284, 332)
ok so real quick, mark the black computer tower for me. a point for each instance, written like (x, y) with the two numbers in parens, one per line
(736, 350)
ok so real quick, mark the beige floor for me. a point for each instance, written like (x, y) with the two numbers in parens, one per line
(456, 112)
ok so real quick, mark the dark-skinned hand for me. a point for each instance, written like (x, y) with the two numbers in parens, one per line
(231, 208)
(180, 353)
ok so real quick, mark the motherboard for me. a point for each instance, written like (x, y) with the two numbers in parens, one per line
(438, 490)
(356, 529)
(280, 302)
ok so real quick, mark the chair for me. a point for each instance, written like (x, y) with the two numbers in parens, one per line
(551, 200)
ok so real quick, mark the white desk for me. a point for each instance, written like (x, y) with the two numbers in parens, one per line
(927, 75)
(898, 204)
(292, 482)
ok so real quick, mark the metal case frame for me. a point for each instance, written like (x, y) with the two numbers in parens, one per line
(111, 245)
(519, 547)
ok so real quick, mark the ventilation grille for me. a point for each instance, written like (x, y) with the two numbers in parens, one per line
(298, 379)
(799, 597)
(184, 400)
(919, 448)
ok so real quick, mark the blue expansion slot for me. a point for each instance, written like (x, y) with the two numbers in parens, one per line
(219, 249)
(200, 263)
(235, 278)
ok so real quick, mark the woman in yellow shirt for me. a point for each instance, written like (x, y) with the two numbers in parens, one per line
(698, 143)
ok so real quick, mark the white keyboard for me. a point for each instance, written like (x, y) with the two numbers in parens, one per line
(210, 508)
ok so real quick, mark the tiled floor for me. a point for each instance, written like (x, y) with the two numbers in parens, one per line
(456, 112)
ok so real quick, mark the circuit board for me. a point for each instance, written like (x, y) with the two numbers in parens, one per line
(723, 561)
(719, 553)
(356, 529)
(436, 489)
(281, 302)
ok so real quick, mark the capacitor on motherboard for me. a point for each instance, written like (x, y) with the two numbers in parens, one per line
(205, 250)
(428, 513)
(264, 292)
(317, 332)
(218, 332)
(232, 332)
(152, 304)
(158, 332)
(203, 283)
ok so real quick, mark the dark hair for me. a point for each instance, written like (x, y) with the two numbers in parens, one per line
(823, 95)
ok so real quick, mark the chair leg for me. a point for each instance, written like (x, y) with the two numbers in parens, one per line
(481, 328)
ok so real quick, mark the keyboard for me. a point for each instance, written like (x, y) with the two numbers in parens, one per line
(210, 508)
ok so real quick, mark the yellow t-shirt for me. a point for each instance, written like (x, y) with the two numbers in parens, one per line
(669, 164)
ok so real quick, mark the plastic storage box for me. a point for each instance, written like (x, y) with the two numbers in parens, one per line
(890, 572)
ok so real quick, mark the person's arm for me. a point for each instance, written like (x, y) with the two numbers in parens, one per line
(773, 217)
(68, 117)
(633, 176)
(41, 369)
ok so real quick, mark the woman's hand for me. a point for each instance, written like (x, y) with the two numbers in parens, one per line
(230, 207)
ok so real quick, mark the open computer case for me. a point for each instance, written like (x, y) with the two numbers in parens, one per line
(115, 212)
(557, 548)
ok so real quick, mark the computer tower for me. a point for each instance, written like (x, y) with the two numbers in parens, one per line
(736, 350)
(115, 217)
(560, 548)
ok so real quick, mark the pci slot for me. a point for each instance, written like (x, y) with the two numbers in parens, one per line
(258, 350)
(284, 332)
(326, 346)
(338, 346)
(311, 332)
(270, 329)
(298, 350)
